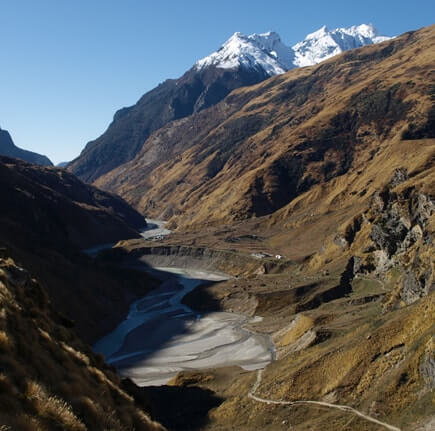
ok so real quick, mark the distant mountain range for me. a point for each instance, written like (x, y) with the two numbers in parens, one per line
(268, 52)
(8, 148)
(241, 61)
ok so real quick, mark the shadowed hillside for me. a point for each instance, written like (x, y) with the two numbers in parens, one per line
(8, 148)
(57, 207)
(50, 379)
(50, 292)
(49, 218)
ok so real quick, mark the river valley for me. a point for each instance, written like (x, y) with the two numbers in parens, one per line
(161, 336)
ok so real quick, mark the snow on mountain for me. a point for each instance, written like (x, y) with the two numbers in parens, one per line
(257, 50)
(323, 44)
(266, 51)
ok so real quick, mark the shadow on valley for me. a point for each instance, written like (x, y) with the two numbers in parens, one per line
(178, 408)
(157, 319)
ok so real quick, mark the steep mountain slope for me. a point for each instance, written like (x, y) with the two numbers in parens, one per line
(242, 60)
(48, 202)
(8, 148)
(50, 379)
(263, 146)
(171, 100)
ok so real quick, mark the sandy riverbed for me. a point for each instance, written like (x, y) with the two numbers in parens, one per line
(161, 336)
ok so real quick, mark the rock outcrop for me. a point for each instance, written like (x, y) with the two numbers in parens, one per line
(397, 233)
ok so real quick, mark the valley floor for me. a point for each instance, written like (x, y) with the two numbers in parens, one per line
(340, 359)
(161, 336)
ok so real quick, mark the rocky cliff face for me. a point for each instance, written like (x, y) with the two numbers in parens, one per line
(402, 240)
(171, 100)
(392, 240)
(8, 148)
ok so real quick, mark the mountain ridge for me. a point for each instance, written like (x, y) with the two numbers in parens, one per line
(263, 146)
(8, 148)
(266, 50)
(324, 44)
(252, 59)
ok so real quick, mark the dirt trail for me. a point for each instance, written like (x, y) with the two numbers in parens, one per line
(310, 402)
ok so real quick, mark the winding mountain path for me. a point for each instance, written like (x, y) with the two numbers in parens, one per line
(344, 408)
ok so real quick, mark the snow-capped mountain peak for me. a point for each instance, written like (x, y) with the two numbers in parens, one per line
(317, 34)
(324, 43)
(266, 51)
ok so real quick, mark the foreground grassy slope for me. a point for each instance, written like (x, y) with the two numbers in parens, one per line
(359, 335)
(50, 379)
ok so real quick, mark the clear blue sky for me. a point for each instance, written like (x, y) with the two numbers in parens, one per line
(67, 66)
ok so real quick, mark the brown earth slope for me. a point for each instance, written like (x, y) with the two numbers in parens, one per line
(263, 146)
(350, 305)
(352, 321)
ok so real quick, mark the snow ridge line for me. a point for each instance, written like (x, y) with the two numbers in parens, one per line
(310, 402)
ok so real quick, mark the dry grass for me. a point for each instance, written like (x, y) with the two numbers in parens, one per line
(371, 363)
(298, 327)
(52, 408)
